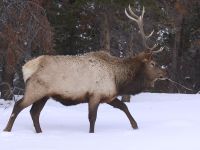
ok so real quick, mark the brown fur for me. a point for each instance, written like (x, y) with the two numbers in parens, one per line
(95, 78)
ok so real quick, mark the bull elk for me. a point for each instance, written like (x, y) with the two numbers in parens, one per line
(93, 78)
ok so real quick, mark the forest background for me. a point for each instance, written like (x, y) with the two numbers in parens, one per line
(29, 28)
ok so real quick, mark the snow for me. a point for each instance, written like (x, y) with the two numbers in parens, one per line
(166, 122)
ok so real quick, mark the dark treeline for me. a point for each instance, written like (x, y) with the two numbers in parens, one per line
(70, 27)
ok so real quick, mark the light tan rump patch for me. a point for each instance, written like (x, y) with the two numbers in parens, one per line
(31, 67)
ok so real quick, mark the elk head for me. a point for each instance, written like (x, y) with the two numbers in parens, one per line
(151, 69)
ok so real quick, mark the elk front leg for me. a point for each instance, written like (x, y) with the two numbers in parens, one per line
(122, 106)
(93, 107)
(35, 113)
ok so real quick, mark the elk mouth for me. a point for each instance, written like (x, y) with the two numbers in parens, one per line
(161, 78)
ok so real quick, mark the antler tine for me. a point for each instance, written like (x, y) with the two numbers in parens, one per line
(153, 47)
(143, 11)
(132, 13)
(158, 51)
(148, 36)
(130, 16)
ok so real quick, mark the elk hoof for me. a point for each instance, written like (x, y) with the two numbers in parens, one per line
(6, 130)
(39, 131)
(91, 131)
(135, 126)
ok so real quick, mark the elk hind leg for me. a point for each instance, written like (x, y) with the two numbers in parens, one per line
(29, 98)
(35, 113)
(18, 107)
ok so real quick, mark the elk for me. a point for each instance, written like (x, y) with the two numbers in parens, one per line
(93, 78)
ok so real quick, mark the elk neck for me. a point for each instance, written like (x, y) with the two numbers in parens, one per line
(130, 77)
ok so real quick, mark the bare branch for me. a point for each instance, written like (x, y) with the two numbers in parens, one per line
(178, 84)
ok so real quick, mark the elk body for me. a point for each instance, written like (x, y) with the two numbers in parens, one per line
(93, 78)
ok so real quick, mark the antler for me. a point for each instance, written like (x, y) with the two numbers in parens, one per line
(139, 20)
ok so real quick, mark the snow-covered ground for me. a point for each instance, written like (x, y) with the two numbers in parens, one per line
(166, 122)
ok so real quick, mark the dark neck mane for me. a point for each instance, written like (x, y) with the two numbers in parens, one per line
(130, 78)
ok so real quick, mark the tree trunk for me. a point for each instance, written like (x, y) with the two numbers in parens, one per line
(8, 75)
(197, 71)
(175, 52)
(105, 33)
(129, 51)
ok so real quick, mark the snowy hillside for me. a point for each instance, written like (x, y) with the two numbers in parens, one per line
(166, 122)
